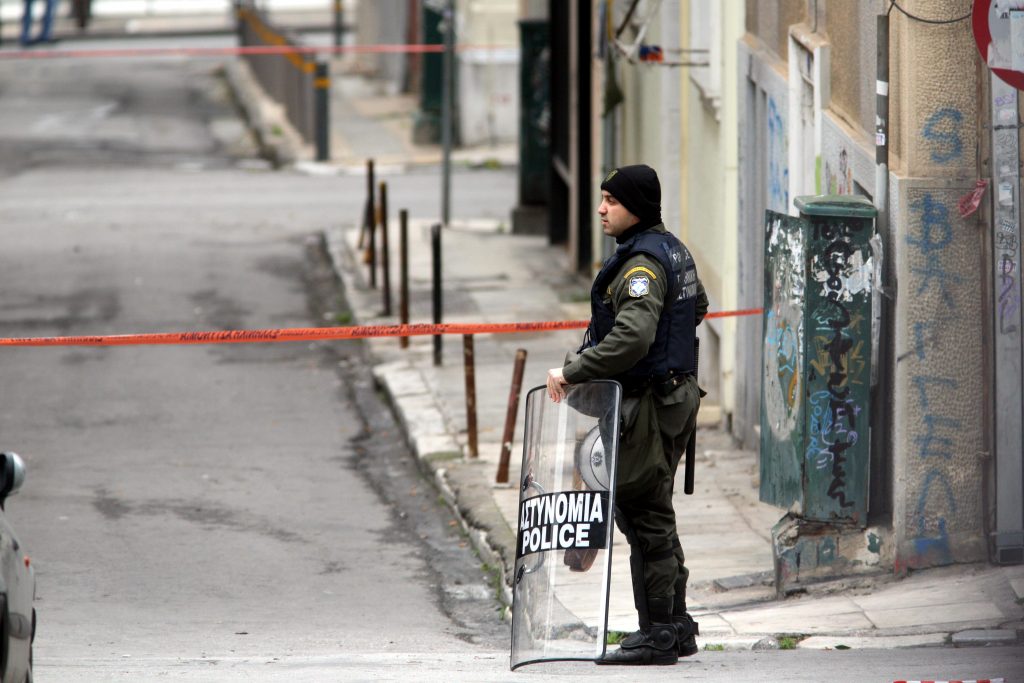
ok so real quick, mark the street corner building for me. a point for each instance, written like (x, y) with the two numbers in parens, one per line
(882, 385)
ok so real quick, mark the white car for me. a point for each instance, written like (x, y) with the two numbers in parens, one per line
(17, 585)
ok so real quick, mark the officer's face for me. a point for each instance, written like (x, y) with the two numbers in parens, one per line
(615, 218)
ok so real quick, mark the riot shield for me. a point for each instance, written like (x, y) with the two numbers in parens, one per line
(563, 551)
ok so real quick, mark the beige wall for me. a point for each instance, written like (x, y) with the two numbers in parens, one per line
(710, 187)
(851, 30)
(939, 435)
(770, 20)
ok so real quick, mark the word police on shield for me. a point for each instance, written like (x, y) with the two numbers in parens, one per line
(560, 521)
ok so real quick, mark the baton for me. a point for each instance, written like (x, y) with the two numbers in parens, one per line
(691, 445)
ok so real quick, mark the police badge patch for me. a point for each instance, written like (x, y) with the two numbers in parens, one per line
(639, 286)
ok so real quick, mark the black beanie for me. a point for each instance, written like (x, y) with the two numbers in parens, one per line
(636, 188)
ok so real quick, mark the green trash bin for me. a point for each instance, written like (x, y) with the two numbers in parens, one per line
(816, 381)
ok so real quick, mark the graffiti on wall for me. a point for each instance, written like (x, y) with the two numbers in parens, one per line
(939, 493)
(784, 330)
(942, 131)
(1007, 243)
(838, 369)
(934, 390)
(934, 432)
(839, 174)
(778, 160)
(934, 236)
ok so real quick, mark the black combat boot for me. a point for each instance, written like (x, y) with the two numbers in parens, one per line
(686, 629)
(654, 643)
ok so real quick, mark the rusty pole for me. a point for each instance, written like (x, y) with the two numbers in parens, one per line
(470, 366)
(510, 416)
(438, 292)
(403, 272)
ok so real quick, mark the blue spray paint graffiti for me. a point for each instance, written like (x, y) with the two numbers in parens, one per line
(935, 433)
(931, 443)
(921, 329)
(933, 544)
(936, 234)
(937, 544)
(778, 161)
(943, 129)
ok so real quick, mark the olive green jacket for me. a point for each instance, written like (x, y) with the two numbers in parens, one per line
(641, 457)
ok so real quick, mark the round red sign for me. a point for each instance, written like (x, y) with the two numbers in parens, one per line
(999, 32)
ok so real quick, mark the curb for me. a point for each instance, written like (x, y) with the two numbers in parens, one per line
(461, 483)
(277, 139)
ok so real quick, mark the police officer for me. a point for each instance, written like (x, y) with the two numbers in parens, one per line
(646, 303)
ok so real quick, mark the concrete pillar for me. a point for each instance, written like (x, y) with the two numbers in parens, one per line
(938, 432)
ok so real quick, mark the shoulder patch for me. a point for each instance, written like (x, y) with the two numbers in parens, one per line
(639, 285)
(640, 269)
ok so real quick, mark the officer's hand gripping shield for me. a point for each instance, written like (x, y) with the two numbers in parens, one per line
(566, 499)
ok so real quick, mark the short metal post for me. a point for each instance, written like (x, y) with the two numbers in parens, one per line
(371, 220)
(470, 366)
(322, 90)
(385, 257)
(447, 102)
(240, 26)
(510, 416)
(435, 250)
(367, 209)
(339, 13)
(403, 272)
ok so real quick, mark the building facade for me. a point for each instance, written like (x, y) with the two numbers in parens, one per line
(745, 106)
(809, 124)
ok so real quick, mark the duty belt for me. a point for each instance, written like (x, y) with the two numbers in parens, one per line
(666, 386)
(663, 386)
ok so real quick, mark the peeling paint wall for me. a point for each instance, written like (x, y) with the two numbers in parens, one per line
(847, 158)
(763, 185)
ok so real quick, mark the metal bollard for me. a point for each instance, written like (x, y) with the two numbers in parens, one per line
(339, 13)
(322, 91)
(470, 371)
(367, 208)
(385, 257)
(371, 225)
(403, 272)
(510, 416)
(435, 249)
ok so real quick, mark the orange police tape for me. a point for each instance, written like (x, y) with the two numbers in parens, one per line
(295, 334)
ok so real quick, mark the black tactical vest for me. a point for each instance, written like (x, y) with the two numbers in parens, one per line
(672, 350)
